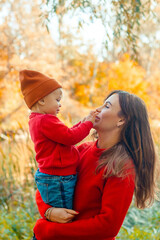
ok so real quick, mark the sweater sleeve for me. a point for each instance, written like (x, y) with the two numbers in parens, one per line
(42, 207)
(58, 132)
(116, 199)
(76, 125)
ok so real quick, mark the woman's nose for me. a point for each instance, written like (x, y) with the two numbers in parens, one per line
(99, 109)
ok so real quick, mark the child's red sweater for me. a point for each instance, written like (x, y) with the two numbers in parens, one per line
(54, 143)
(102, 204)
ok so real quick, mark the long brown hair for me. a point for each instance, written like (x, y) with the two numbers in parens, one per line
(136, 144)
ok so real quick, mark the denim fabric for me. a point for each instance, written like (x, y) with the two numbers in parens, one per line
(34, 238)
(57, 191)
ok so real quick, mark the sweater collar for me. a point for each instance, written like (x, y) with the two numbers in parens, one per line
(97, 151)
(34, 114)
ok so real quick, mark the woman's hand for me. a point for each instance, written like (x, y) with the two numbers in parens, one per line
(60, 215)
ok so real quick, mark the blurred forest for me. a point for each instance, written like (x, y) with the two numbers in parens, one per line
(129, 59)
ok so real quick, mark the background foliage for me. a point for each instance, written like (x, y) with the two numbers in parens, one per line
(129, 59)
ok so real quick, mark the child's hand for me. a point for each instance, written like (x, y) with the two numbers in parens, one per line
(61, 215)
(91, 117)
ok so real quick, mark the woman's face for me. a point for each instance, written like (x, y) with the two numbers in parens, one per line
(108, 118)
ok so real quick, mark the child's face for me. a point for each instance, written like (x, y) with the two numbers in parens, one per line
(52, 102)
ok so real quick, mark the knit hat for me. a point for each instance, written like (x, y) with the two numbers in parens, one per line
(35, 86)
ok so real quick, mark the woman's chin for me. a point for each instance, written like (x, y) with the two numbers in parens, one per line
(95, 126)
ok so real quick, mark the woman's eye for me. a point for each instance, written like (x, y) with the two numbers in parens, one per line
(107, 106)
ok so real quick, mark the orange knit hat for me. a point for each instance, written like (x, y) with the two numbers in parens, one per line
(35, 86)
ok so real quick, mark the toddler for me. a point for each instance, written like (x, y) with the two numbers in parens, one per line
(54, 142)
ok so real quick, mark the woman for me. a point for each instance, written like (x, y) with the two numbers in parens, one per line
(119, 164)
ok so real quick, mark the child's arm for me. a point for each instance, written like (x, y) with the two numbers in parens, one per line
(76, 125)
(56, 131)
(90, 117)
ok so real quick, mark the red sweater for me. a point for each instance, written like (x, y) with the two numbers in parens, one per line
(54, 142)
(102, 204)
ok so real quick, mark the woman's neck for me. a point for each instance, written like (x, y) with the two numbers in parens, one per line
(107, 140)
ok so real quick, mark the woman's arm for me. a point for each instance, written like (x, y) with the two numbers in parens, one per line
(42, 207)
(116, 199)
(60, 215)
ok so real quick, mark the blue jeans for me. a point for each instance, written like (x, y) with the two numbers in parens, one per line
(57, 191)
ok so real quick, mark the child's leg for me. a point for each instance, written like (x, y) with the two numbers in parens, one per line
(34, 238)
(67, 190)
(49, 187)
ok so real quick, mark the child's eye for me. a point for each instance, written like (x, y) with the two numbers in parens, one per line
(58, 100)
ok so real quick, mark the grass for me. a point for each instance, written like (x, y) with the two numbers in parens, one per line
(141, 224)
(18, 220)
(18, 211)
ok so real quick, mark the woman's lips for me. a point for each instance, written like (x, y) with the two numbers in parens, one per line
(97, 118)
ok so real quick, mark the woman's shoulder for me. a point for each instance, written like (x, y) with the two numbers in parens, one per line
(85, 146)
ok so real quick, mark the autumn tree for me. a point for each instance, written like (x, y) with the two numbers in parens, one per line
(125, 74)
(24, 43)
(122, 20)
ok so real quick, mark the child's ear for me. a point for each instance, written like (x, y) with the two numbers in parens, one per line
(41, 102)
(121, 122)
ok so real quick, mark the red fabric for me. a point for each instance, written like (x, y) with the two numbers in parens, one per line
(102, 204)
(54, 143)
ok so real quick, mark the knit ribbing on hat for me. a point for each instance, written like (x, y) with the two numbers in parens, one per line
(35, 86)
